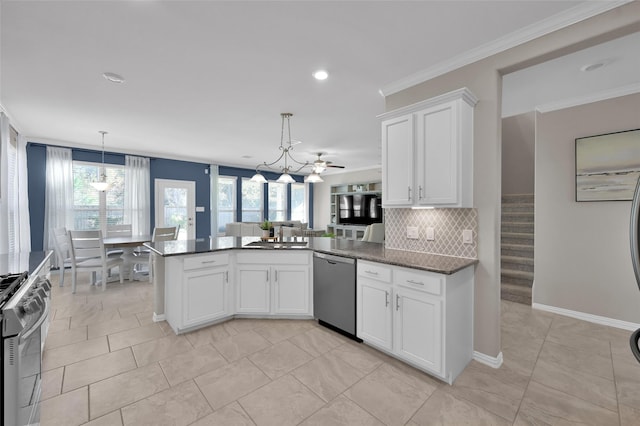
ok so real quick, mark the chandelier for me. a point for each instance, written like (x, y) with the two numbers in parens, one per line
(291, 165)
(102, 184)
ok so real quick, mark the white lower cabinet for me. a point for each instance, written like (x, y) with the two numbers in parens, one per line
(202, 294)
(423, 318)
(373, 319)
(418, 328)
(291, 290)
(253, 289)
(274, 283)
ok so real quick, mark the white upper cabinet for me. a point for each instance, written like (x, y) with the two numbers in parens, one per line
(427, 152)
(397, 160)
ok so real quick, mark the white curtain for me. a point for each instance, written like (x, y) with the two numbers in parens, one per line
(15, 231)
(58, 201)
(137, 186)
(22, 221)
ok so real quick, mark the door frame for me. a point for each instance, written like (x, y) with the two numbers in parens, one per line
(190, 186)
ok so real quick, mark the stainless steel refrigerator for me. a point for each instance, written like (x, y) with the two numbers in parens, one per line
(634, 234)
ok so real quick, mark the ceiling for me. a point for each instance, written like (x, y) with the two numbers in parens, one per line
(560, 80)
(207, 80)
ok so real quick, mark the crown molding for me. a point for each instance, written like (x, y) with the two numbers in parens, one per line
(462, 93)
(553, 23)
(590, 98)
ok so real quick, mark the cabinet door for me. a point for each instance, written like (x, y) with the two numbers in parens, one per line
(374, 313)
(291, 290)
(204, 295)
(418, 329)
(438, 155)
(253, 294)
(397, 161)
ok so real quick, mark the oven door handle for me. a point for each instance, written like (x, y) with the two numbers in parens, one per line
(38, 323)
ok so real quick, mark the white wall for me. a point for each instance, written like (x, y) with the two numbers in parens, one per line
(321, 191)
(582, 259)
(484, 80)
(518, 146)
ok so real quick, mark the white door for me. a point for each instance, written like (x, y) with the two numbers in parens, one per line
(205, 295)
(397, 161)
(418, 334)
(176, 206)
(374, 314)
(291, 288)
(253, 290)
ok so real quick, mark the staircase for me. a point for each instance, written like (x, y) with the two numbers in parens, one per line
(516, 256)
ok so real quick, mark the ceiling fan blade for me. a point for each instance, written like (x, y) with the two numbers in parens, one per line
(335, 166)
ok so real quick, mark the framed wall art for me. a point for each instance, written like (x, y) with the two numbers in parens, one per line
(607, 166)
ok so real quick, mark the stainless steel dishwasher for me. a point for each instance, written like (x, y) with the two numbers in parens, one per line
(334, 292)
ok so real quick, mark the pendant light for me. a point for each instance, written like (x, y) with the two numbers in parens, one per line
(102, 184)
(286, 147)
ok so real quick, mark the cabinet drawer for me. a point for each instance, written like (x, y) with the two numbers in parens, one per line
(374, 271)
(423, 281)
(205, 261)
(284, 256)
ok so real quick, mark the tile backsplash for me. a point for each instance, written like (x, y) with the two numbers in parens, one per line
(448, 225)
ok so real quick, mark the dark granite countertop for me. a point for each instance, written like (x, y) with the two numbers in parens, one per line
(14, 263)
(362, 250)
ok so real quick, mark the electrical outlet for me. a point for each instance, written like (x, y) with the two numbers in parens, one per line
(467, 236)
(412, 232)
(430, 234)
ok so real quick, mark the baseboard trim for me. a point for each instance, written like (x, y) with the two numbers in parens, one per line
(491, 361)
(158, 318)
(611, 322)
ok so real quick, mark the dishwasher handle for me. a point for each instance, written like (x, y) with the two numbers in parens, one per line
(334, 259)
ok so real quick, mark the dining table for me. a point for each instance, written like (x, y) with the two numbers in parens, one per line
(128, 245)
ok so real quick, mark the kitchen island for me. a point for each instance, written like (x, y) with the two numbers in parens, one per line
(417, 307)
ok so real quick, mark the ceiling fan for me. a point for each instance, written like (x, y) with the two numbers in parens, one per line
(320, 165)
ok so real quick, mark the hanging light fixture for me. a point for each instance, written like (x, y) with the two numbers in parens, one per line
(291, 165)
(313, 177)
(102, 184)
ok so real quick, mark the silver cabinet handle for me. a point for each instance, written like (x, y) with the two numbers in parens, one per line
(276, 273)
(419, 192)
(397, 302)
(409, 193)
(267, 275)
(208, 261)
(415, 282)
(386, 295)
(371, 272)
(226, 276)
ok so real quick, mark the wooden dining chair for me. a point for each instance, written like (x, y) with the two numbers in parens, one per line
(159, 234)
(88, 253)
(62, 250)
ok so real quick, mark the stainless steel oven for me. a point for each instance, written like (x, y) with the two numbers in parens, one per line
(25, 319)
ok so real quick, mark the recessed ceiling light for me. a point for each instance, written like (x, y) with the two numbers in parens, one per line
(320, 75)
(592, 67)
(246, 156)
(113, 77)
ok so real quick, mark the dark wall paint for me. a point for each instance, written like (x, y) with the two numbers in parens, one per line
(159, 168)
(185, 170)
(247, 173)
(36, 176)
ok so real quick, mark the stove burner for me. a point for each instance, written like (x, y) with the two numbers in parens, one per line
(9, 284)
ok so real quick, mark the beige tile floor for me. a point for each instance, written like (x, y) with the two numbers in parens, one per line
(107, 363)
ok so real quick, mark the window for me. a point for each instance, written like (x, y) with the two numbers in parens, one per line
(252, 200)
(299, 202)
(90, 207)
(226, 201)
(277, 201)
